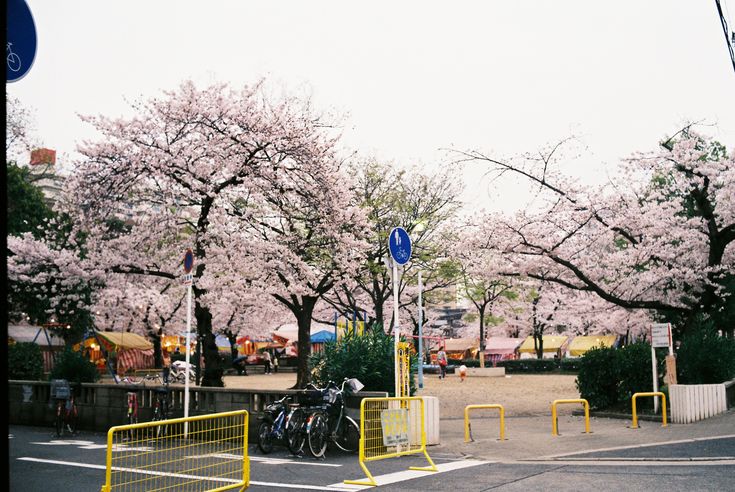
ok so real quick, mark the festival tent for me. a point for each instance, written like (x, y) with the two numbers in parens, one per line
(553, 346)
(50, 344)
(459, 348)
(501, 348)
(133, 351)
(322, 336)
(582, 344)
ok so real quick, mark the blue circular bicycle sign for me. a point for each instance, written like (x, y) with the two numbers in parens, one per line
(188, 261)
(20, 47)
(399, 245)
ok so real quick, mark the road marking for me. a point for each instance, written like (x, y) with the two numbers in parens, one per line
(628, 462)
(402, 476)
(636, 446)
(261, 459)
(340, 488)
(92, 445)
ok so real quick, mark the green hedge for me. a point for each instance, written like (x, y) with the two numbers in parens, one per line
(25, 361)
(74, 367)
(529, 365)
(705, 358)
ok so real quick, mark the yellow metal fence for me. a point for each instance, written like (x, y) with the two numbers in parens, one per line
(209, 455)
(389, 428)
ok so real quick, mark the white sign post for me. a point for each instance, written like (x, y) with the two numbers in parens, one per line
(660, 337)
(399, 245)
(188, 280)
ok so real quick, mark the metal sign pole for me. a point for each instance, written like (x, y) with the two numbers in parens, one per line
(186, 370)
(421, 339)
(395, 326)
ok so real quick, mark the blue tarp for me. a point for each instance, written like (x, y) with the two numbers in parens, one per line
(322, 336)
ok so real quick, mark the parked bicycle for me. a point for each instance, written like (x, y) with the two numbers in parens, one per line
(330, 422)
(66, 410)
(132, 414)
(161, 410)
(308, 400)
(179, 371)
(272, 429)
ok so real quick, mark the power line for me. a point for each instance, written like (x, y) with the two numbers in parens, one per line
(727, 33)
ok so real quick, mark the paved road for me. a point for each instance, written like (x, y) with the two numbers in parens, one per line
(38, 462)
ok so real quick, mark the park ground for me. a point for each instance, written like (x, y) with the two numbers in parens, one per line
(522, 395)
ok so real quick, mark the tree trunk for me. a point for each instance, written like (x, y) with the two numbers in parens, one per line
(482, 337)
(212, 364)
(303, 317)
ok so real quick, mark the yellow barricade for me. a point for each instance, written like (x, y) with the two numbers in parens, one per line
(391, 427)
(554, 420)
(634, 425)
(156, 456)
(467, 432)
(404, 369)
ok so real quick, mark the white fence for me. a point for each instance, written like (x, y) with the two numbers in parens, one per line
(693, 402)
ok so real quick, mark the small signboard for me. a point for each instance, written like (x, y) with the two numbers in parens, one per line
(399, 245)
(188, 260)
(20, 41)
(661, 335)
(395, 427)
(187, 279)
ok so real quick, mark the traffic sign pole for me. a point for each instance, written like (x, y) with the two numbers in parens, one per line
(395, 327)
(188, 265)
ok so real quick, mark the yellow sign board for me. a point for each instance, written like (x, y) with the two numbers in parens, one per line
(395, 427)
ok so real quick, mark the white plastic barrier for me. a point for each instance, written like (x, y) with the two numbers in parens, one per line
(693, 402)
(431, 421)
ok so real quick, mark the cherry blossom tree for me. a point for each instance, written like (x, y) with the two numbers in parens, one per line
(657, 238)
(199, 167)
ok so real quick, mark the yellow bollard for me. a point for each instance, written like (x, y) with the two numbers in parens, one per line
(554, 422)
(467, 409)
(634, 425)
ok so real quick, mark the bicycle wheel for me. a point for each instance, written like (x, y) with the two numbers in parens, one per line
(316, 434)
(348, 435)
(59, 423)
(131, 432)
(159, 431)
(72, 418)
(265, 437)
(295, 436)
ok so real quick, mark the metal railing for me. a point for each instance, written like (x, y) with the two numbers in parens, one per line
(555, 420)
(157, 456)
(389, 428)
(634, 425)
(467, 430)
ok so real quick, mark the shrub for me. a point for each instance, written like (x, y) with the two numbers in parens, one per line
(599, 377)
(570, 365)
(529, 365)
(25, 361)
(473, 363)
(367, 357)
(705, 358)
(74, 367)
(634, 362)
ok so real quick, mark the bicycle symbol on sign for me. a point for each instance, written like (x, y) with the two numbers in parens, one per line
(13, 59)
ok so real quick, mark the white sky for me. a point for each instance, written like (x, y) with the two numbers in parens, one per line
(412, 78)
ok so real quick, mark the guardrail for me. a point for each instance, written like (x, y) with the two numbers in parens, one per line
(634, 425)
(162, 455)
(467, 431)
(554, 419)
(389, 428)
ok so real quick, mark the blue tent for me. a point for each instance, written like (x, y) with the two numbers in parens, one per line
(323, 336)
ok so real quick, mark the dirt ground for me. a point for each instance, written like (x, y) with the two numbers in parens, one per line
(520, 394)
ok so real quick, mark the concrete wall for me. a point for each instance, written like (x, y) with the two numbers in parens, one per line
(102, 406)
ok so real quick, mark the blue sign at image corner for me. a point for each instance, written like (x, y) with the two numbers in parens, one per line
(20, 48)
(399, 245)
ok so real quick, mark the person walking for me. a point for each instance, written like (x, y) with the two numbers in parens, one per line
(166, 366)
(275, 362)
(441, 359)
(267, 360)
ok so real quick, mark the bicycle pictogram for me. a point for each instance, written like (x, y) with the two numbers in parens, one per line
(12, 59)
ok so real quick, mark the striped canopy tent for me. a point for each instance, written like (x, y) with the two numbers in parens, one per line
(133, 351)
(50, 344)
(553, 346)
(501, 348)
(582, 344)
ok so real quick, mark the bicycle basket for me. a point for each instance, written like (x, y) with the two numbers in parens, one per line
(60, 389)
(310, 397)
